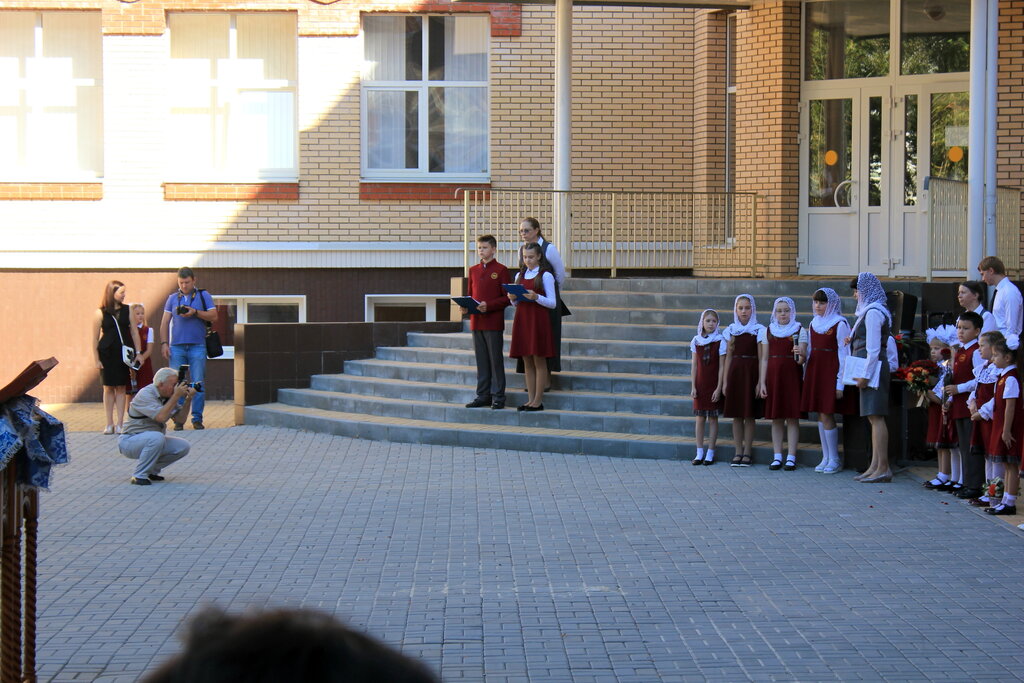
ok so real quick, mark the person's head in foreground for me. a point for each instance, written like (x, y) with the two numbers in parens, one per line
(280, 646)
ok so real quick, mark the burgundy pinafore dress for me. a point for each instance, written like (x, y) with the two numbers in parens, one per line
(531, 328)
(782, 379)
(819, 389)
(706, 362)
(996, 446)
(742, 379)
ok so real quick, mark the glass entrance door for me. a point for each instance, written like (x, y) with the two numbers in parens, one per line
(845, 159)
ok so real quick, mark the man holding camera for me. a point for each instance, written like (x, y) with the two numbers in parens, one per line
(186, 315)
(144, 435)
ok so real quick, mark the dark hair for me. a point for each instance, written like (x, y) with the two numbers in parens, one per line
(820, 296)
(543, 266)
(107, 303)
(978, 288)
(853, 283)
(284, 645)
(489, 239)
(993, 262)
(972, 318)
(533, 223)
(999, 346)
(185, 272)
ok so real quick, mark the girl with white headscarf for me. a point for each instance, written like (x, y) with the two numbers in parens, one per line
(824, 392)
(784, 345)
(742, 361)
(868, 340)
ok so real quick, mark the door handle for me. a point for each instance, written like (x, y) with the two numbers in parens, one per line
(835, 195)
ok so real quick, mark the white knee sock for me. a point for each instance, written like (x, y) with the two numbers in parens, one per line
(709, 456)
(835, 463)
(700, 454)
(954, 460)
(824, 449)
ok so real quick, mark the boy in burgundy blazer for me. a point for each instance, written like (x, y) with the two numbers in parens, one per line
(488, 326)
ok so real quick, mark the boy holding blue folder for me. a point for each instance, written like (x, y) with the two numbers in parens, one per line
(488, 324)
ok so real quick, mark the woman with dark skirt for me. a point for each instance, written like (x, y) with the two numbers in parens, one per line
(112, 329)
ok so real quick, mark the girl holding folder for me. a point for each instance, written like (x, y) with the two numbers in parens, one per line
(531, 328)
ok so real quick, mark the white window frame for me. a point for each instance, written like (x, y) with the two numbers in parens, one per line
(33, 90)
(240, 84)
(242, 301)
(422, 174)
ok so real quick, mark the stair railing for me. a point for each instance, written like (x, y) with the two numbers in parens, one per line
(613, 231)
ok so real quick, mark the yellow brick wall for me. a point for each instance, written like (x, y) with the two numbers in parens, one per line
(631, 115)
(1010, 115)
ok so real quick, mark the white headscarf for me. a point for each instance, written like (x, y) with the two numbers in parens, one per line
(833, 312)
(716, 335)
(871, 296)
(788, 330)
(752, 326)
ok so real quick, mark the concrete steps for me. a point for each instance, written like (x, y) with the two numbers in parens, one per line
(624, 390)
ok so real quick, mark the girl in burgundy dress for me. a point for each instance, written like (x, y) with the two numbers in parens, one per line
(706, 374)
(941, 432)
(739, 387)
(144, 375)
(1007, 427)
(784, 342)
(981, 424)
(531, 327)
(823, 391)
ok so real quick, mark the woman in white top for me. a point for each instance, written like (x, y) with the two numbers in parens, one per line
(970, 295)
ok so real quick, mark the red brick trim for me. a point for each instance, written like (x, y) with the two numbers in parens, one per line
(506, 18)
(52, 192)
(415, 192)
(231, 192)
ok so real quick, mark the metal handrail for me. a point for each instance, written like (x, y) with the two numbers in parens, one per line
(612, 230)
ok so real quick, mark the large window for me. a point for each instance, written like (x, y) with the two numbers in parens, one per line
(51, 96)
(425, 100)
(232, 97)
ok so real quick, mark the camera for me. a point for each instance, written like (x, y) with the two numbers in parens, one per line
(182, 310)
(182, 377)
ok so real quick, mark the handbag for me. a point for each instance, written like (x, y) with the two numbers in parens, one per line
(214, 349)
(127, 352)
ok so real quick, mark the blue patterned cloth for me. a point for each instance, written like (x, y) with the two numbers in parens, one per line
(34, 437)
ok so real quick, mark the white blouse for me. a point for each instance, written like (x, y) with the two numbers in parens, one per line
(547, 299)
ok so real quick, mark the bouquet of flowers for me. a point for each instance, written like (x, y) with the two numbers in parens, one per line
(920, 377)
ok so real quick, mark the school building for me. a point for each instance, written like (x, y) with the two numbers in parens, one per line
(303, 154)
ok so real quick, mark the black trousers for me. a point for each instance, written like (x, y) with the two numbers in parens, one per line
(973, 463)
(490, 365)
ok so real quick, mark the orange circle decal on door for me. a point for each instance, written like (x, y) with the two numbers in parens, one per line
(831, 157)
(955, 154)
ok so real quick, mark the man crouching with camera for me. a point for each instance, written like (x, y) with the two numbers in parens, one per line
(144, 436)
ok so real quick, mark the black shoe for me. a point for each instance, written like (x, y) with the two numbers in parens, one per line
(533, 409)
(521, 408)
(776, 465)
(699, 460)
(197, 424)
(497, 406)
(1002, 510)
(156, 477)
(179, 426)
(140, 482)
(478, 403)
(965, 493)
(789, 466)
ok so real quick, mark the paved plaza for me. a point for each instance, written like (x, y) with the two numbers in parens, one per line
(508, 566)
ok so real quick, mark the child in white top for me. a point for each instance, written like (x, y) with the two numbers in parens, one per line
(707, 370)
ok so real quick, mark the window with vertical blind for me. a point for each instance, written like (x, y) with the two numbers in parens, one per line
(51, 96)
(425, 109)
(232, 97)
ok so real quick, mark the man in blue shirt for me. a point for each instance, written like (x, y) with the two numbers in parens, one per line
(184, 323)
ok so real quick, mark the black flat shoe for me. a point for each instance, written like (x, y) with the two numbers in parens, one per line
(1002, 510)
(140, 481)
(478, 403)
(776, 465)
(497, 406)
(156, 477)
(737, 461)
(789, 466)
(708, 463)
(533, 409)
(521, 408)
(699, 460)
(966, 493)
